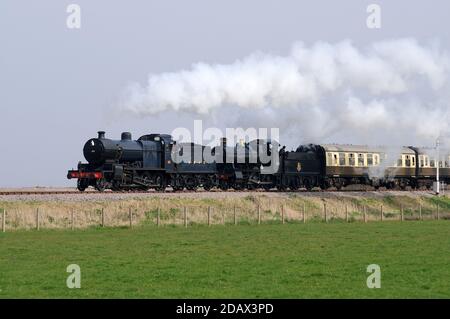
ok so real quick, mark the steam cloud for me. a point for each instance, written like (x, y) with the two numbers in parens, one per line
(391, 91)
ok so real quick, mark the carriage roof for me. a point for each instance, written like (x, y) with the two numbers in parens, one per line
(365, 149)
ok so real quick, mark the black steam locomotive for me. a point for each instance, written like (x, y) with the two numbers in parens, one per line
(156, 161)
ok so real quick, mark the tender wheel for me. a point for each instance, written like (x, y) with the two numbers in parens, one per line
(308, 185)
(223, 185)
(238, 186)
(295, 185)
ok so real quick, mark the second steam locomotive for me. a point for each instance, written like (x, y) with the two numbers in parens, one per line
(156, 161)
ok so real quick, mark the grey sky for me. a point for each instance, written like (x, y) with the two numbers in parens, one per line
(57, 84)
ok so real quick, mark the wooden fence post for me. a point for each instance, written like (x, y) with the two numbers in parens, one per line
(304, 213)
(130, 215)
(72, 220)
(325, 212)
(282, 214)
(37, 218)
(103, 218)
(158, 217)
(381, 212)
(401, 212)
(4, 221)
(234, 215)
(365, 213)
(437, 210)
(185, 216)
(420, 211)
(346, 213)
(259, 215)
(209, 215)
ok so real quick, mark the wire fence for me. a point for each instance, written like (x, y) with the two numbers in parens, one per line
(38, 218)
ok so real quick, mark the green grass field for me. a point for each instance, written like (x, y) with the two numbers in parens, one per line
(315, 260)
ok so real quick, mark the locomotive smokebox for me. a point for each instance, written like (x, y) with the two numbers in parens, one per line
(126, 136)
(101, 134)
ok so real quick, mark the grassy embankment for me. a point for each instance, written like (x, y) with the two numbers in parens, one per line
(57, 214)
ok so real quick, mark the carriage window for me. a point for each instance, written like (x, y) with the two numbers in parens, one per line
(341, 159)
(425, 161)
(360, 159)
(369, 159)
(407, 161)
(421, 161)
(413, 161)
(432, 163)
(399, 162)
(329, 159)
(351, 159)
(335, 159)
(376, 160)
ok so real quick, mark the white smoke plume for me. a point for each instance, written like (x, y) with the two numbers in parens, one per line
(395, 90)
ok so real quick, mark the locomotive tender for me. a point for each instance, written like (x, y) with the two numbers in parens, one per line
(156, 161)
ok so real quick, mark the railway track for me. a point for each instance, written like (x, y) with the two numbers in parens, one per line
(75, 192)
(43, 192)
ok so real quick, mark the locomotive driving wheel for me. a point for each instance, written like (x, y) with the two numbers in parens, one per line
(101, 184)
(209, 182)
(161, 182)
(116, 186)
(191, 183)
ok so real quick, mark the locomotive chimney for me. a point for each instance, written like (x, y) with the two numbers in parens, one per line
(126, 136)
(101, 134)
